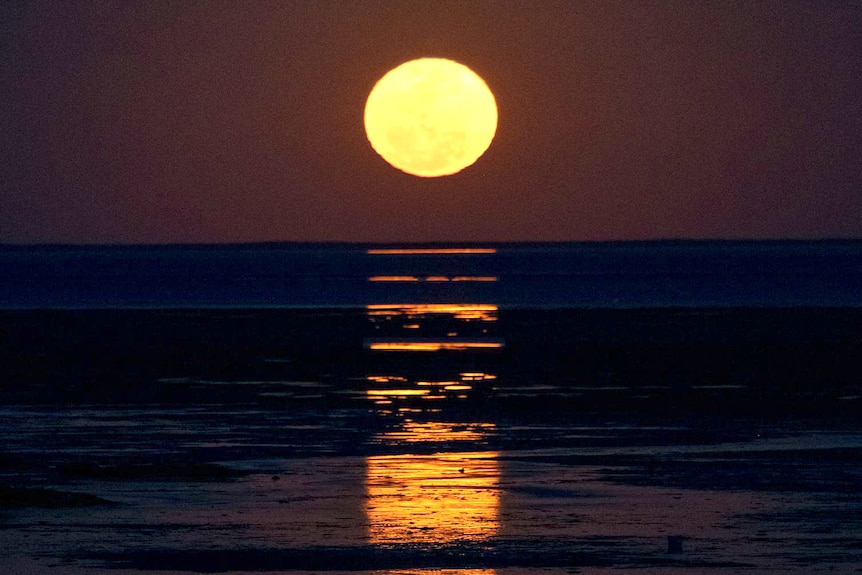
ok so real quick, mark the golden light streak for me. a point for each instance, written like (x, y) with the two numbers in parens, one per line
(432, 499)
(396, 392)
(479, 311)
(415, 308)
(437, 431)
(476, 376)
(436, 383)
(474, 279)
(393, 279)
(430, 389)
(443, 572)
(433, 279)
(433, 345)
(386, 378)
(429, 251)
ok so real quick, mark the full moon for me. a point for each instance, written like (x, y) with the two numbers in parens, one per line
(430, 117)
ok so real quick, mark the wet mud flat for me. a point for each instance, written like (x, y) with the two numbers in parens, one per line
(756, 496)
(590, 441)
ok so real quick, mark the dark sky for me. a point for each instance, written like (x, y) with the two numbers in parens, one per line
(242, 121)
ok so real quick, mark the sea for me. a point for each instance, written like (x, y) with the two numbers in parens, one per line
(565, 275)
(671, 407)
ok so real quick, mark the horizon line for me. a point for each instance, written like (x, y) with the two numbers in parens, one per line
(414, 245)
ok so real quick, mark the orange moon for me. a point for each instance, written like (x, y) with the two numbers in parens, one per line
(431, 117)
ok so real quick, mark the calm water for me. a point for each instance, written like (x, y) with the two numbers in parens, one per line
(488, 410)
(533, 276)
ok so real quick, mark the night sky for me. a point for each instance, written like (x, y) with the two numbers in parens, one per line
(242, 121)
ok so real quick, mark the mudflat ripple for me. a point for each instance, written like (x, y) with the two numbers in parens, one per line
(232, 489)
